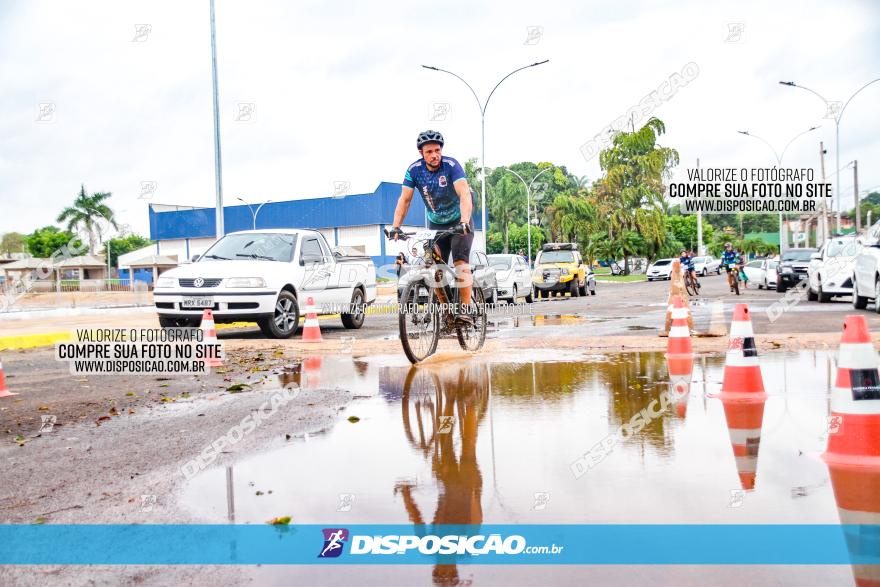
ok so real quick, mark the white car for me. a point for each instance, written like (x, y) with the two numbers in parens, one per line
(866, 271)
(706, 265)
(762, 272)
(831, 269)
(267, 276)
(660, 269)
(513, 276)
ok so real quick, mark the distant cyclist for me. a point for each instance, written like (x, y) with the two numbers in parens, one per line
(730, 262)
(686, 258)
(741, 258)
(443, 186)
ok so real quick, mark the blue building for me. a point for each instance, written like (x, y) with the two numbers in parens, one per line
(355, 221)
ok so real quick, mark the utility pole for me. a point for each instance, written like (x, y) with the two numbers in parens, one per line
(699, 224)
(825, 234)
(856, 194)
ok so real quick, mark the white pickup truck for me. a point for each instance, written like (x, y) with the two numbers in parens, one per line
(266, 276)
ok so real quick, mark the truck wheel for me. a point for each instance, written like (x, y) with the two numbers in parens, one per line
(356, 319)
(573, 289)
(166, 322)
(780, 287)
(810, 295)
(593, 291)
(858, 302)
(531, 295)
(284, 321)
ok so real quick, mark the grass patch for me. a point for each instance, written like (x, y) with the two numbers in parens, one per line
(619, 278)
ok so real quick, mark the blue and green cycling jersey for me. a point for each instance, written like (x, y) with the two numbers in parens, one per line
(437, 188)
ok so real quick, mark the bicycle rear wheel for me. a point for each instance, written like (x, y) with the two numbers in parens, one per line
(418, 321)
(471, 338)
(736, 283)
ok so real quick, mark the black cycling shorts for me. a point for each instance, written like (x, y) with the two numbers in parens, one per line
(458, 244)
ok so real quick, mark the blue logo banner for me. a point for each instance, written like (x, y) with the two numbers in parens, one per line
(444, 544)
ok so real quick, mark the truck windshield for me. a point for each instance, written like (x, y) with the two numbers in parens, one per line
(556, 257)
(263, 246)
(799, 255)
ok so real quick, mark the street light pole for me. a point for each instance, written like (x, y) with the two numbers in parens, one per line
(482, 106)
(218, 177)
(528, 204)
(253, 214)
(836, 133)
(778, 163)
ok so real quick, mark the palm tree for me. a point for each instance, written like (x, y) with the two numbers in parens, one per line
(85, 215)
(506, 205)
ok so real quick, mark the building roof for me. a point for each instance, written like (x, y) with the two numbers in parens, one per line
(82, 261)
(29, 263)
(771, 238)
(155, 261)
(315, 213)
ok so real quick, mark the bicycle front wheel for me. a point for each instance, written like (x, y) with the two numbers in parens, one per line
(471, 338)
(736, 283)
(418, 321)
(690, 285)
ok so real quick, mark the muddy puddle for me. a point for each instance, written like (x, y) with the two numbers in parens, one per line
(497, 442)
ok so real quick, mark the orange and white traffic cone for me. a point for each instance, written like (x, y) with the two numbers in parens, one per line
(311, 328)
(744, 421)
(742, 374)
(853, 452)
(679, 334)
(4, 391)
(210, 336)
(311, 372)
(855, 400)
(681, 369)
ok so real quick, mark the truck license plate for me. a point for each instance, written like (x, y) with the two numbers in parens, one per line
(197, 303)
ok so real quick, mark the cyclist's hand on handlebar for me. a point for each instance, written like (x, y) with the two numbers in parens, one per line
(395, 233)
(463, 228)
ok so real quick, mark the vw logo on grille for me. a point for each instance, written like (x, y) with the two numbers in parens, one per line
(198, 282)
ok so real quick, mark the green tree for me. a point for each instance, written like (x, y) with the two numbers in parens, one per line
(123, 245)
(12, 242)
(86, 213)
(45, 241)
(630, 194)
(683, 229)
(507, 204)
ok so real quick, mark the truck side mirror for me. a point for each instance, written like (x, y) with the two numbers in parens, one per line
(195, 258)
(308, 259)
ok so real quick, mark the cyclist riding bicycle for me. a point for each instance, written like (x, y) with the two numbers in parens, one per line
(729, 259)
(442, 184)
(686, 258)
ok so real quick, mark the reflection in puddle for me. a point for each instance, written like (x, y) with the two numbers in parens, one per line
(480, 442)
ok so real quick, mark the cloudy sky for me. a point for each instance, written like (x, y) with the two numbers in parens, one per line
(338, 94)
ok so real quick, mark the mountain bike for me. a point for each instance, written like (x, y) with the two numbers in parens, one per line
(428, 303)
(733, 276)
(691, 284)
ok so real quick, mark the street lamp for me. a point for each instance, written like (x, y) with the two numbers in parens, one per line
(482, 106)
(839, 115)
(253, 214)
(779, 157)
(528, 204)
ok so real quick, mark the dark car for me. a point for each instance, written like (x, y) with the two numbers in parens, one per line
(792, 268)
